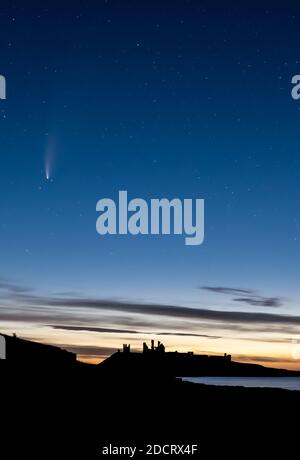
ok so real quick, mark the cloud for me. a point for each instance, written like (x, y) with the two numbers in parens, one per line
(87, 350)
(12, 288)
(173, 311)
(267, 340)
(24, 305)
(72, 312)
(260, 301)
(227, 290)
(264, 359)
(126, 331)
(246, 296)
(93, 329)
(46, 307)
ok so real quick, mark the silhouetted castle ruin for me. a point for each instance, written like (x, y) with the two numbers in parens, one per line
(154, 360)
(160, 348)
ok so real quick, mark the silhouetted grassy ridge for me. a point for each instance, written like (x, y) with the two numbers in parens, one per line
(71, 412)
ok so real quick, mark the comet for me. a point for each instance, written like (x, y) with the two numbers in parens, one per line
(49, 159)
(47, 170)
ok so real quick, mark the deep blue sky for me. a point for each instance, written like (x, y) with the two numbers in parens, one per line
(183, 99)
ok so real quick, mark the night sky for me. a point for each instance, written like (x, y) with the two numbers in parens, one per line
(184, 99)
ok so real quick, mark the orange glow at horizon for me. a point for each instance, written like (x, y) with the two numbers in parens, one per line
(267, 349)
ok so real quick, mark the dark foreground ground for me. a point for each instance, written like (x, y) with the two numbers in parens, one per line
(66, 414)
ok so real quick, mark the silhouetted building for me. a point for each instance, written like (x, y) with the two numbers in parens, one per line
(126, 348)
(159, 349)
(28, 352)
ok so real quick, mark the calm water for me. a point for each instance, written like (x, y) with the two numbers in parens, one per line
(287, 383)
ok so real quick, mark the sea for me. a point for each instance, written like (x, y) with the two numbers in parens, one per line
(286, 383)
